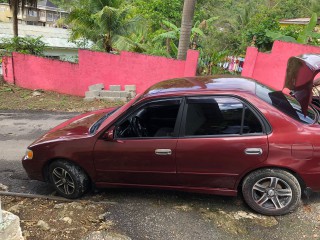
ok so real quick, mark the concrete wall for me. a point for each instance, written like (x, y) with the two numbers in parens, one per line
(5, 12)
(64, 54)
(95, 67)
(270, 68)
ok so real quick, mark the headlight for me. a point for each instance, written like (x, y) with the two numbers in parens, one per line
(29, 154)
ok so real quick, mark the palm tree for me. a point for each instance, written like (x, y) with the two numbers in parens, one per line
(172, 34)
(186, 25)
(16, 6)
(107, 23)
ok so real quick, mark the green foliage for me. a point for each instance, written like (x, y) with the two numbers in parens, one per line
(171, 32)
(256, 33)
(208, 63)
(157, 11)
(170, 35)
(306, 33)
(280, 36)
(103, 22)
(26, 45)
(230, 26)
(315, 7)
(303, 35)
(292, 8)
(64, 4)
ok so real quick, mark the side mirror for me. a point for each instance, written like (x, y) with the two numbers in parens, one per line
(109, 135)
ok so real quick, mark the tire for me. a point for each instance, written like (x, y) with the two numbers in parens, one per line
(271, 191)
(69, 180)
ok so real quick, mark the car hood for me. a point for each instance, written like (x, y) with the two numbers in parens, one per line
(300, 75)
(75, 127)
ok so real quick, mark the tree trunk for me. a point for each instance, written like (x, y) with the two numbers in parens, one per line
(15, 9)
(168, 45)
(186, 26)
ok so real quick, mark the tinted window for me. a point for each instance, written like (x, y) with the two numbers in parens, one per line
(156, 119)
(285, 104)
(219, 116)
(251, 123)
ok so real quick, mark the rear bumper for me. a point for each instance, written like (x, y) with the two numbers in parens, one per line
(312, 181)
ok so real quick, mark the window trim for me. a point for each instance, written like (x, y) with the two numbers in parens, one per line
(122, 118)
(266, 127)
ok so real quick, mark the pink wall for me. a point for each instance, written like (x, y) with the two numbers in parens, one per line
(95, 67)
(270, 68)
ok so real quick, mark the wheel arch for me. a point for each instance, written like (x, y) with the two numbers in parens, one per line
(45, 170)
(295, 174)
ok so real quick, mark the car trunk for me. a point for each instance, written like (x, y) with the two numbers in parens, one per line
(300, 79)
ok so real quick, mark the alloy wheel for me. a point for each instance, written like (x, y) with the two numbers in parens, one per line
(63, 180)
(272, 193)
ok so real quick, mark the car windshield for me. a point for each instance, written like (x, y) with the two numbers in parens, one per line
(286, 104)
(97, 124)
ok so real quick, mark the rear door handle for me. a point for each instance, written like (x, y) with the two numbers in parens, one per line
(163, 152)
(253, 151)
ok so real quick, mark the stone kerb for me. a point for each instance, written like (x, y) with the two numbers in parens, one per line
(114, 93)
(10, 227)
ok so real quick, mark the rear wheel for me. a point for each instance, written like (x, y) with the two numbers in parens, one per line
(69, 180)
(271, 191)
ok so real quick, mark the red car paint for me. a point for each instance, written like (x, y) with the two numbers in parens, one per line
(202, 164)
(288, 139)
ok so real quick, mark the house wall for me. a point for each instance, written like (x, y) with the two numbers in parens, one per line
(270, 68)
(24, 16)
(95, 67)
(5, 12)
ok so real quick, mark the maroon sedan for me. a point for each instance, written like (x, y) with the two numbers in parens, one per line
(217, 135)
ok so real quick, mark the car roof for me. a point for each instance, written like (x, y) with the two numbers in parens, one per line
(181, 86)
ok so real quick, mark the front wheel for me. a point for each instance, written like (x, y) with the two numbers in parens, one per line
(271, 191)
(68, 179)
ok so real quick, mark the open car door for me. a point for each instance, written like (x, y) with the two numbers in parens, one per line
(300, 75)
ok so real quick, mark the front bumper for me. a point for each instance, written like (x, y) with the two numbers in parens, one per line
(34, 169)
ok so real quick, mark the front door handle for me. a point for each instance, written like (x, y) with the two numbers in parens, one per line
(163, 152)
(253, 151)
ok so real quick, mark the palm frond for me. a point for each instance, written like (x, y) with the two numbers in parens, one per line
(197, 31)
(166, 35)
(170, 25)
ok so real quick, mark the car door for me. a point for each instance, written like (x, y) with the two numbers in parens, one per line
(221, 137)
(143, 148)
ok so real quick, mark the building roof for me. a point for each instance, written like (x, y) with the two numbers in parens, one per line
(298, 21)
(52, 37)
(46, 3)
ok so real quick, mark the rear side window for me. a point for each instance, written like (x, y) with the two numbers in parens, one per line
(285, 104)
(219, 116)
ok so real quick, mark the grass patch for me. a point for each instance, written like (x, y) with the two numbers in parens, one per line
(16, 98)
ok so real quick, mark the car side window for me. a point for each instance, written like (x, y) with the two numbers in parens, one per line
(154, 120)
(219, 116)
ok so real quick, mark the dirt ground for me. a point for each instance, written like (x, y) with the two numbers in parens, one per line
(47, 219)
(15, 98)
(42, 219)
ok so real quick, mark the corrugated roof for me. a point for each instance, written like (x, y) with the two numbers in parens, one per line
(52, 37)
(297, 21)
(46, 3)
